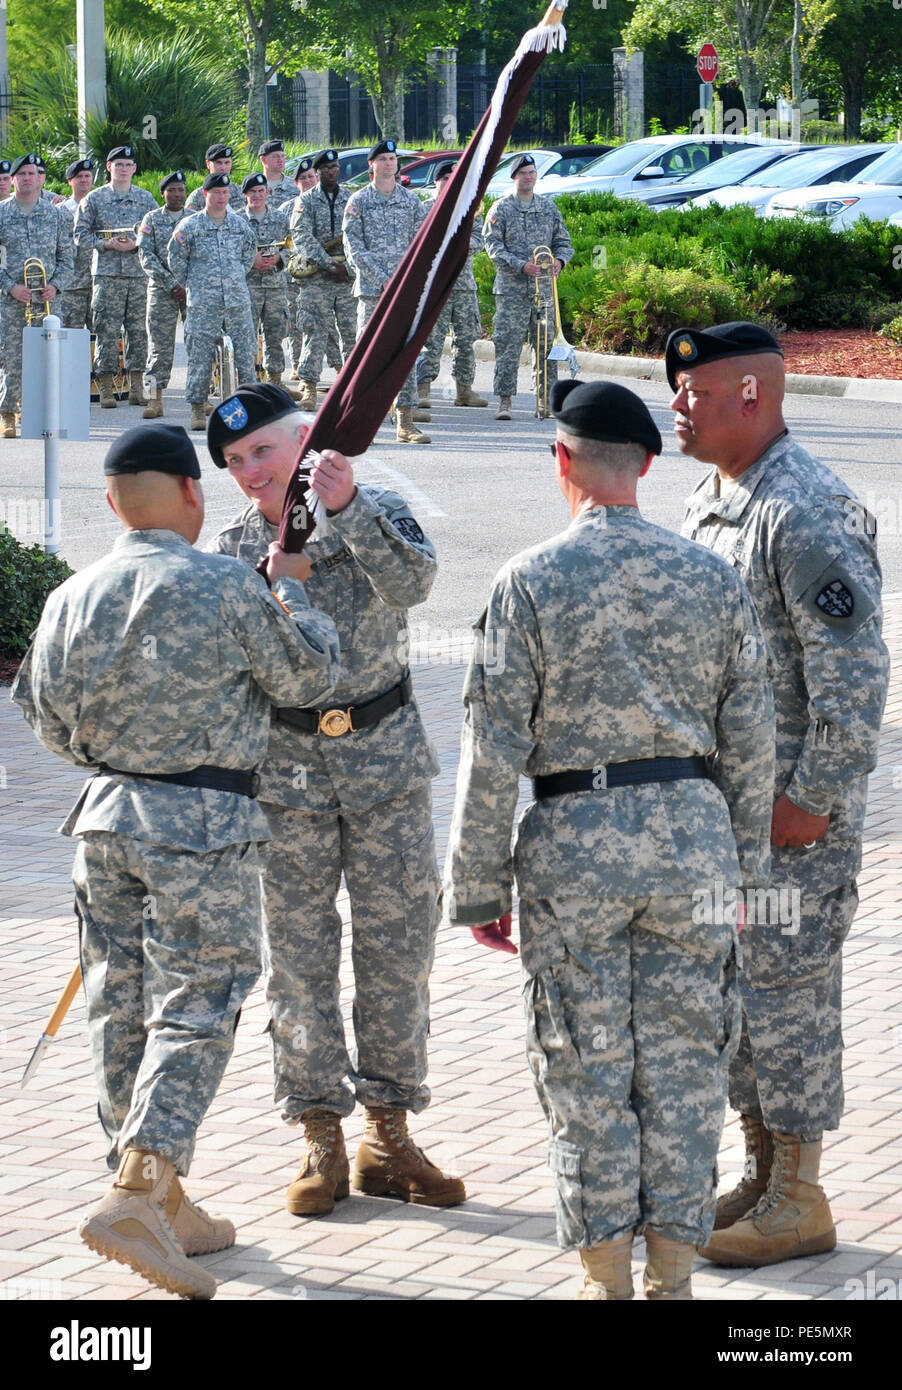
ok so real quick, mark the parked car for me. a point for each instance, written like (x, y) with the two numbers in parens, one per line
(876, 192)
(731, 169)
(661, 158)
(808, 169)
(416, 171)
(351, 161)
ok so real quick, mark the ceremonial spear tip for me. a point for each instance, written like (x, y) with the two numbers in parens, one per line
(56, 1018)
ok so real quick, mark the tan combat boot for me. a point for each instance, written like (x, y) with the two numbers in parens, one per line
(154, 407)
(667, 1266)
(323, 1177)
(130, 1225)
(791, 1219)
(424, 394)
(197, 1232)
(609, 1273)
(136, 394)
(307, 398)
(107, 394)
(504, 408)
(467, 396)
(418, 413)
(759, 1154)
(198, 419)
(406, 431)
(8, 420)
(275, 378)
(389, 1164)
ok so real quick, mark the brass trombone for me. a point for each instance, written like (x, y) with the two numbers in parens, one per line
(560, 350)
(35, 277)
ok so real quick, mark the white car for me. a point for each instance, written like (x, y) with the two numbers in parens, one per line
(501, 182)
(875, 193)
(657, 160)
(807, 169)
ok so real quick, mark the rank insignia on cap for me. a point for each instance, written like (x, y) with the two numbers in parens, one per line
(686, 348)
(835, 600)
(232, 414)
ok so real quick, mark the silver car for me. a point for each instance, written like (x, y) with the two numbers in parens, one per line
(808, 169)
(657, 161)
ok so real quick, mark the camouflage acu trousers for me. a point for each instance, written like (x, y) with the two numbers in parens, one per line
(387, 854)
(119, 308)
(788, 1070)
(323, 304)
(460, 318)
(203, 328)
(365, 306)
(12, 324)
(517, 317)
(163, 313)
(170, 950)
(76, 308)
(269, 310)
(632, 1018)
(293, 337)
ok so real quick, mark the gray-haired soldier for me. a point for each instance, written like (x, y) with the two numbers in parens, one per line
(806, 548)
(155, 669)
(633, 690)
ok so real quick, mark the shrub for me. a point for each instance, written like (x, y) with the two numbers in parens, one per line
(27, 576)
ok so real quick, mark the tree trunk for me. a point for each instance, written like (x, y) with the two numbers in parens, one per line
(796, 54)
(852, 88)
(256, 89)
(389, 106)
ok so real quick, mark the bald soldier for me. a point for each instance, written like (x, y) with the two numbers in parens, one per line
(621, 668)
(155, 669)
(805, 546)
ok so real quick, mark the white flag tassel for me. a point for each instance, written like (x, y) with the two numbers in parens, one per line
(547, 36)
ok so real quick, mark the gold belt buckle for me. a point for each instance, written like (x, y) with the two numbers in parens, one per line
(334, 722)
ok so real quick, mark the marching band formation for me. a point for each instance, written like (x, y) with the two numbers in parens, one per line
(273, 264)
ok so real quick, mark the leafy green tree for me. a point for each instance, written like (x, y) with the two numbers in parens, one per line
(860, 58)
(37, 29)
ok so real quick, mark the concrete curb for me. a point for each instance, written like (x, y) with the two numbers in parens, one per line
(652, 369)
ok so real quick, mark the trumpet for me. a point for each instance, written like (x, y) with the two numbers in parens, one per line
(299, 268)
(35, 278)
(108, 233)
(546, 297)
(272, 248)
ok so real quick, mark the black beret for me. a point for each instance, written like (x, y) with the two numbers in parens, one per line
(384, 147)
(24, 159)
(121, 152)
(79, 166)
(215, 181)
(4, 166)
(604, 410)
(254, 181)
(692, 347)
(219, 152)
(176, 177)
(447, 168)
(270, 147)
(249, 409)
(326, 157)
(525, 161)
(158, 448)
(303, 166)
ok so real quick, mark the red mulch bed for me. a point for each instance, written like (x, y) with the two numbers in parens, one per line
(842, 352)
(9, 665)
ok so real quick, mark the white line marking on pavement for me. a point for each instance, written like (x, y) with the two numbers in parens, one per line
(420, 501)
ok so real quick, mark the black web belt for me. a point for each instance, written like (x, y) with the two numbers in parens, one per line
(334, 722)
(631, 774)
(214, 779)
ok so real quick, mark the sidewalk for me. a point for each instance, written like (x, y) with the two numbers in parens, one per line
(484, 1124)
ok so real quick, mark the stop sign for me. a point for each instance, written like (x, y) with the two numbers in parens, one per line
(707, 62)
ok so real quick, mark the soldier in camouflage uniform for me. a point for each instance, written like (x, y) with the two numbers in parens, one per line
(805, 546)
(76, 304)
(218, 161)
(281, 190)
(29, 227)
(631, 999)
(210, 254)
(380, 222)
(266, 279)
(350, 797)
(166, 299)
(460, 317)
(514, 227)
(325, 300)
(119, 298)
(6, 179)
(305, 178)
(155, 669)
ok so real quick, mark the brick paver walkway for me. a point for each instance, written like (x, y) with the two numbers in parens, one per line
(484, 1123)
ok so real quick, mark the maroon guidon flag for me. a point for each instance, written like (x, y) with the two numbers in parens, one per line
(411, 302)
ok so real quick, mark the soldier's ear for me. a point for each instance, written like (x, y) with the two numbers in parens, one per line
(649, 460)
(112, 505)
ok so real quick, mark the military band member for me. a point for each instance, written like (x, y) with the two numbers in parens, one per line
(345, 795)
(305, 178)
(281, 190)
(630, 659)
(266, 278)
(76, 298)
(380, 222)
(806, 549)
(155, 669)
(6, 179)
(119, 298)
(514, 227)
(218, 161)
(47, 193)
(30, 226)
(325, 299)
(460, 317)
(210, 254)
(166, 298)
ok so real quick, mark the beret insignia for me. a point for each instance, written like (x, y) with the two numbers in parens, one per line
(686, 348)
(233, 414)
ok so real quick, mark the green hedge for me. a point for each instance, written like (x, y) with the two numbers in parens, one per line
(27, 577)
